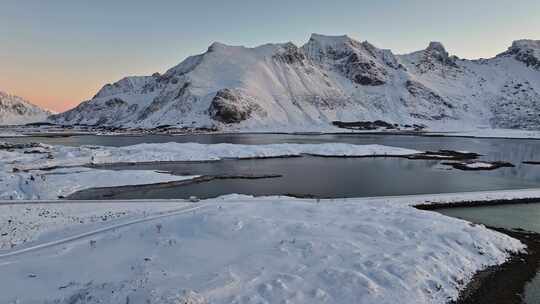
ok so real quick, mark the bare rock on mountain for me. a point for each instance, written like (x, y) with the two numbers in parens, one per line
(290, 54)
(229, 107)
(416, 89)
(435, 58)
(526, 51)
(360, 62)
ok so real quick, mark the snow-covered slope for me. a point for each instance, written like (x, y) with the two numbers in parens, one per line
(243, 250)
(330, 78)
(15, 110)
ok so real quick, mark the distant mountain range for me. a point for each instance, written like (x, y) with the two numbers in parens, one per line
(15, 110)
(329, 79)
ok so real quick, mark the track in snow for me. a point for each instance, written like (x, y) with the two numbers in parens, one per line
(99, 231)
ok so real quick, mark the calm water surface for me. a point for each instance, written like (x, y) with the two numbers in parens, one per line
(524, 216)
(321, 177)
(327, 177)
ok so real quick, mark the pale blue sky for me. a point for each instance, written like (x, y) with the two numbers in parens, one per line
(59, 52)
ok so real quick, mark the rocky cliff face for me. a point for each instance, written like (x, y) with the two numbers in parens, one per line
(360, 62)
(15, 110)
(526, 51)
(330, 78)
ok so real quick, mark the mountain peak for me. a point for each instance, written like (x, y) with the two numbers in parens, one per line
(437, 47)
(7, 97)
(215, 46)
(16, 110)
(526, 44)
(526, 51)
(322, 37)
(330, 41)
(523, 46)
(437, 52)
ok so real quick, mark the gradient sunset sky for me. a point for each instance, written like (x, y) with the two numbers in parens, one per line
(57, 53)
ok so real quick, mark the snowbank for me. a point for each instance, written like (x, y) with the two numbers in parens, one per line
(239, 249)
(53, 156)
(455, 198)
(493, 133)
(59, 183)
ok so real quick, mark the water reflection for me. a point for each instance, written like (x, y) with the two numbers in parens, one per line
(342, 178)
(321, 177)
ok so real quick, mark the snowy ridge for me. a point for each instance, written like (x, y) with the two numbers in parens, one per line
(330, 78)
(15, 110)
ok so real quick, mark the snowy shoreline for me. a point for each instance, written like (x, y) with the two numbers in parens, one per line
(358, 245)
(350, 249)
(55, 131)
(38, 171)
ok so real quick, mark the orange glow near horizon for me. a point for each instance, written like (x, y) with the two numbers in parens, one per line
(47, 97)
(51, 96)
(57, 89)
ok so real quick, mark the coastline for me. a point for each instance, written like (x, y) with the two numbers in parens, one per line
(504, 283)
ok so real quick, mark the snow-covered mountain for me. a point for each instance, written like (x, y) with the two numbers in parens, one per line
(330, 78)
(15, 110)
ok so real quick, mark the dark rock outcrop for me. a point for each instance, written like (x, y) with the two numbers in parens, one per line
(526, 51)
(291, 54)
(419, 90)
(365, 125)
(229, 107)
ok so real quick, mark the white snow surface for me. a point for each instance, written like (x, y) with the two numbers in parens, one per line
(239, 249)
(475, 165)
(43, 221)
(207, 152)
(282, 87)
(59, 183)
(493, 133)
(53, 156)
(15, 110)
